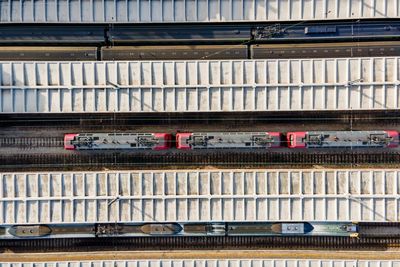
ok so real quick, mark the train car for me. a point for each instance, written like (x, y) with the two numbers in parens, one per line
(224, 140)
(87, 230)
(98, 141)
(343, 139)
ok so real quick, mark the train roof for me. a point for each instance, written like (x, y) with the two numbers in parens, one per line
(335, 84)
(181, 11)
(226, 261)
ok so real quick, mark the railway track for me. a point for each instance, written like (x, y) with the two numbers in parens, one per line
(203, 243)
(31, 142)
(228, 159)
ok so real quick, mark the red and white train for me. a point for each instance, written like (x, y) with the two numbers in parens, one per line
(233, 140)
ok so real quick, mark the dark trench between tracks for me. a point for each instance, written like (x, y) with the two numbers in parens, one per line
(202, 243)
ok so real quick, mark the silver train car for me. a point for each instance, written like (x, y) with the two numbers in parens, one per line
(87, 230)
(99, 141)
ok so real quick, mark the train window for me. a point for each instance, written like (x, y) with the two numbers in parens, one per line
(248, 144)
(133, 144)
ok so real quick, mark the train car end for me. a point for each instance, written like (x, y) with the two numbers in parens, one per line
(30, 231)
(296, 139)
(181, 140)
(165, 141)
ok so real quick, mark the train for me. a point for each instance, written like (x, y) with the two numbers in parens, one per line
(233, 140)
(92, 230)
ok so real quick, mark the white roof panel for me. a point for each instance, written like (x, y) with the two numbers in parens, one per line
(210, 263)
(167, 11)
(200, 195)
(200, 86)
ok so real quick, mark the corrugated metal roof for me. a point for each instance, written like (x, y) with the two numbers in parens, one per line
(211, 263)
(156, 11)
(200, 86)
(200, 195)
